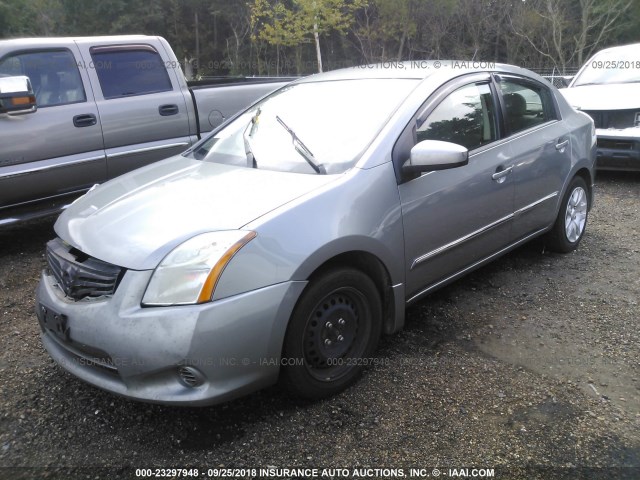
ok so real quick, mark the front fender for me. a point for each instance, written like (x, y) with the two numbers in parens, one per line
(358, 212)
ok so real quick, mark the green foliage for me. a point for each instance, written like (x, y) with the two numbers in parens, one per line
(284, 36)
(29, 17)
(629, 31)
(280, 24)
(300, 21)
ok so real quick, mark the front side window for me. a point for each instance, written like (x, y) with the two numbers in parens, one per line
(466, 117)
(525, 105)
(130, 70)
(308, 127)
(54, 75)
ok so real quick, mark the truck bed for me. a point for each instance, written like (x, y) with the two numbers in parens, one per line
(219, 98)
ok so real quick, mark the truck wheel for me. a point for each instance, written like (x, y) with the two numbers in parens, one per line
(334, 329)
(572, 218)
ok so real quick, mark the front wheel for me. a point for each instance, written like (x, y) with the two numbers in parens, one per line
(333, 331)
(572, 218)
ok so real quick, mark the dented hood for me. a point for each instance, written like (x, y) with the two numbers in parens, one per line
(134, 220)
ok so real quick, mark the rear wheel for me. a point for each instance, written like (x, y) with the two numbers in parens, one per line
(334, 329)
(572, 218)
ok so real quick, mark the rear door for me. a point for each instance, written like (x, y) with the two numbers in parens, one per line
(56, 152)
(540, 145)
(143, 110)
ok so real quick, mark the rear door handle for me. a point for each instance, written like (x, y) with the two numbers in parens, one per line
(85, 120)
(561, 145)
(168, 110)
(500, 175)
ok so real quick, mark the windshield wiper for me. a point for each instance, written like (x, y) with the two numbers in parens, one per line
(302, 149)
(251, 127)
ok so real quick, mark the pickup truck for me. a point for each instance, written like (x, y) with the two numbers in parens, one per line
(100, 106)
(607, 88)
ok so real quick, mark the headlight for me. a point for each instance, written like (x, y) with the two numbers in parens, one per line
(189, 274)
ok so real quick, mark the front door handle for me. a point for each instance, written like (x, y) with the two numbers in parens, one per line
(561, 145)
(85, 120)
(500, 175)
(168, 110)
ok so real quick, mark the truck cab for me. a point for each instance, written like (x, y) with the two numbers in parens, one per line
(105, 106)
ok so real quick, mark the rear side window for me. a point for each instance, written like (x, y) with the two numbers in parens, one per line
(466, 117)
(54, 75)
(130, 70)
(526, 105)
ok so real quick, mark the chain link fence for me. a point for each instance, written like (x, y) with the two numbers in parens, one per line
(555, 77)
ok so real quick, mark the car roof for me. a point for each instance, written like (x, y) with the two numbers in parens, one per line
(39, 42)
(633, 46)
(416, 70)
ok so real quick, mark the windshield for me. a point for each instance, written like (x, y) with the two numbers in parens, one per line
(615, 66)
(315, 128)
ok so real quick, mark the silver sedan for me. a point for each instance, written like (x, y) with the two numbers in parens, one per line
(282, 246)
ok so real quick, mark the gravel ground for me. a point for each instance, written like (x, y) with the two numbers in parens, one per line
(529, 366)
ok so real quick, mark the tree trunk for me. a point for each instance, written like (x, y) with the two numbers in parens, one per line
(401, 47)
(197, 69)
(316, 37)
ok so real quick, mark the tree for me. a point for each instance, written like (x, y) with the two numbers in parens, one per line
(9, 23)
(261, 36)
(30, 17)
(290, 25)
(385, 27)
(237, 18)
(567, 32)
(599, 18)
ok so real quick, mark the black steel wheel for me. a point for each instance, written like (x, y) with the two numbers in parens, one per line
(333, 331)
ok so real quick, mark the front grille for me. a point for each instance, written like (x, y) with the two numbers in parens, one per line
(616, 144)
(80, 276)
(613, 118)
(597, 118)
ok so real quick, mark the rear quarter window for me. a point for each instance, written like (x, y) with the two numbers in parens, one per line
(130, 70)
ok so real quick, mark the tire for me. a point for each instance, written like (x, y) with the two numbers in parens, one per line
(571, 223)
(333, 331)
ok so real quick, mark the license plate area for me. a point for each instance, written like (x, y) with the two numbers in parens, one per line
(54, 322)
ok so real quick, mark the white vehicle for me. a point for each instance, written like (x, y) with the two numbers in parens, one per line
(607, 88)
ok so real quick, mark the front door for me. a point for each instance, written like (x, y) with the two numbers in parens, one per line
(56, 152)
(454, 218)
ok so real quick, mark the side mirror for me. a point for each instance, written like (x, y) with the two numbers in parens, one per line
(16, 96)
(430, 155)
